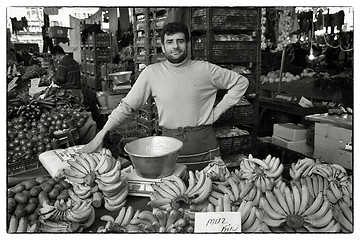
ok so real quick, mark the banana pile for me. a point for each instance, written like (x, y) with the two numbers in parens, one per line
(301, 168)
(160, 221)
(217, 170)
(69, 216)
(119, 223)
(263, 172)
(98, 176)
(173, 192)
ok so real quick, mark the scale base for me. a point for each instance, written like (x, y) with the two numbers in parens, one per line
(141, 187)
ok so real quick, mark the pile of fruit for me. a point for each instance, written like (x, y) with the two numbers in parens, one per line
(317, 197)
(274, 76)
(29, 136)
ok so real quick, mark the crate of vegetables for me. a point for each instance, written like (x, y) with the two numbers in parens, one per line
(233, 140)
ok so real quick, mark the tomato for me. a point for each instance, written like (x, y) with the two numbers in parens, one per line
(11, 145)
(48, 146)
(29, 153)
(30, 145)
(41, 148)
(44, 130)
(62, 115)
(56, 116)
(65, 125)
(22, 142)
(34, 124)
(27, 125)
(16, 142)
(47, 123)
(49, 118)
(21, 119)
(46, 139)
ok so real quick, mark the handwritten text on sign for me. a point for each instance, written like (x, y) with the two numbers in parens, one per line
(217, 222)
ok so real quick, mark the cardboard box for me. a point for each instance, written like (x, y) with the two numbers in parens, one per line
(341, 157)
(329, 143)
(331, 131)
(297, 146)
(290, 131)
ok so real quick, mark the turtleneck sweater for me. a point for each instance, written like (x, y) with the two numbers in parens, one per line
(184, 93)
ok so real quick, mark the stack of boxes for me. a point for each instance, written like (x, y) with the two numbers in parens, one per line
(292, 136)
(330, 144)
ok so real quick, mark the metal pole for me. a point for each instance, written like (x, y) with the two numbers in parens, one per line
(281, 68)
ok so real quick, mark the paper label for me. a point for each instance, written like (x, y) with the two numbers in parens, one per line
(217, 222)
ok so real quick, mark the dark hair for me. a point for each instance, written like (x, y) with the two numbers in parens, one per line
(57, 50)
(174, 27)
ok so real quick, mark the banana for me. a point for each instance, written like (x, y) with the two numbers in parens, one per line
(251, 194)
(172, 185)
(309, 183)
(157, 203)
(179, 182)
(76, 165)
(113, 171)
(330, 195)
(192, 182)
(226, 203)
(163, 193)
(305, 195)
(336, 191)
(204, 194)
(82, 161)
(256, 199)
(168, 189)
(323, 170)
(120, 216)
(114, 187)
(113, 208)
(213, 200)
(224, 189)
(234, 187)
(289, 200)
(264, 204)
(110, 179)
(210, 207)
(344, 222)
(255, 227)
(333, 226)
(245, 209)
(322, 221)
(281, 200)
(346, 210)
(161, 216)
(324, 208)
(260, 162)
(275, 173)
(219, 207)
(318, 202)
(297, 198)
(82, 191)
(269, 183)
(263, 186)
(269, 159)
(129, 214)
(90, 159)
(107, 218)
(73, 172)
(275, 163)
(200, 182)
(119, 197)
(249, 221)
(147, 216)
(245, 189)
(271, 222)
(172, 217)
(102, 159)
(107, 166)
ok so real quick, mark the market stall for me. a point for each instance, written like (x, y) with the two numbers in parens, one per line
(134, 183)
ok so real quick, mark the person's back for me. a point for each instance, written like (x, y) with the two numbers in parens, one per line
(69, 73)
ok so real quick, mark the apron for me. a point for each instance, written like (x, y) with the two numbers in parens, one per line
(200, 146)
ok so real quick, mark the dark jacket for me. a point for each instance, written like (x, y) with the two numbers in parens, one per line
(68, 73)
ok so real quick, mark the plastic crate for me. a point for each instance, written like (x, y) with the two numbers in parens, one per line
(237, 144)
(224, 18)
(23, 166)
(236, 115)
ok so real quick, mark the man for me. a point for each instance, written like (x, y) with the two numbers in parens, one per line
(184, 91)
(68, 73)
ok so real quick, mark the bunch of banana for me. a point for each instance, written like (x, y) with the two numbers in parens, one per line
(49, 226)
(217, 170)
(56, 212)
(82, 212)
(291, 211)
(262, 172)
(118, 224)
(344, 216)
(301, 168)
(315, 183)
(331, 171)
(114, 194)
(172, 191)
(159, 221)
(84, 191)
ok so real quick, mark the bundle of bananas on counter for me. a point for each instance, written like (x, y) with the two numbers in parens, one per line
(98, 176)
(217, 170)
(264, 173)
(119, 223)
(293, 211)
(160, 221)
(69, 216)
(173, 192)
(301, 168)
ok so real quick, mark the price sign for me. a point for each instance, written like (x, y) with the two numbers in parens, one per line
(217, 222)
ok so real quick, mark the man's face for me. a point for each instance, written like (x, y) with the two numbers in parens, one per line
(175, 47)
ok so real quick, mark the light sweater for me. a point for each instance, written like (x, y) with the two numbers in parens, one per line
(184, 93)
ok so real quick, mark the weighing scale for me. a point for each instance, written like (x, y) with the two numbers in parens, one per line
(139, 186)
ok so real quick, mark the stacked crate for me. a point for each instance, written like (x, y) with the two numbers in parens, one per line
(147, 50)
(230, 37)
